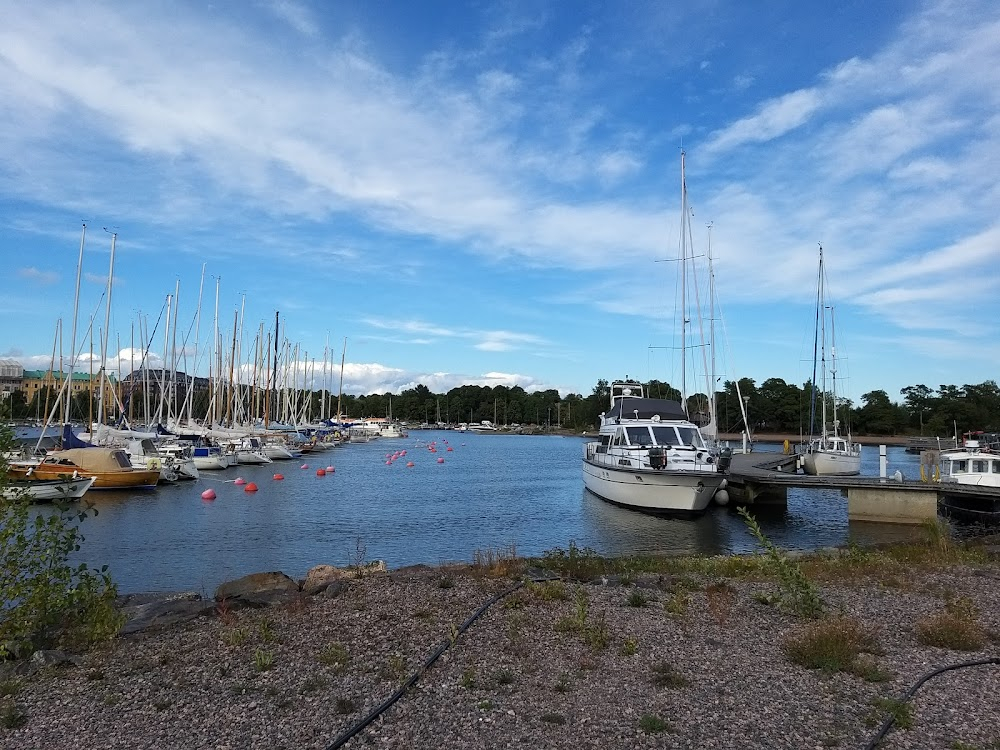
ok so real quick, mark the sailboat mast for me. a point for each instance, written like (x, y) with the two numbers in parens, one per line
(822, 305)
(340, 393)
(76, 307)
(107, 330)
(684, 321)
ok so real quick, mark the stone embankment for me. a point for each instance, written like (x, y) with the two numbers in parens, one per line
(669, 661)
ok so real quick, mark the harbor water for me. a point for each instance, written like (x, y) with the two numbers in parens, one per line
(491, 492)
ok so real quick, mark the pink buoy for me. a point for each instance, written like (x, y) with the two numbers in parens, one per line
(250, 487)
(388, 463)
(409, 464)
(304, 466)
(208, 494)
(402, 453)
(450, 449)
(321, 472)
(279, 477)
(440, 460)
(240, 480)
(329, 470)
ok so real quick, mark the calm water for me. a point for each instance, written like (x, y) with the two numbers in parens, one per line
(492, 491)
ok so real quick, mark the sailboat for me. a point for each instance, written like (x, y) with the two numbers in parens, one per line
(828, 453)
(650, 455)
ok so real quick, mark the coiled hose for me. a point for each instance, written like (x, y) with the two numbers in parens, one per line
(887, 724)
(428, 662)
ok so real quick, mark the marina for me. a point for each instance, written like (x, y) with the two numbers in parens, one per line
(492, 491)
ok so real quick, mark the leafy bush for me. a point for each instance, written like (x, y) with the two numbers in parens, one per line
(46, 601)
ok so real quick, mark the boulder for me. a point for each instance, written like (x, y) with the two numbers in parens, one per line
(153, 615)
(335, 589)
(255, 583)
(321, 576)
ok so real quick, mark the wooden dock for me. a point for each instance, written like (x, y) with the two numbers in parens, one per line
(764, 478)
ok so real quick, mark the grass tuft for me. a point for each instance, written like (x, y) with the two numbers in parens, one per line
(664, 675)
(651, 724)
(831, 645)
(956, 628)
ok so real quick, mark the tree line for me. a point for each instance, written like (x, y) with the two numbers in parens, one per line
(774, 406)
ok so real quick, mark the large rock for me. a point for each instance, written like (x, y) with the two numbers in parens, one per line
(152, 615)
(320, 577)
(256, 583)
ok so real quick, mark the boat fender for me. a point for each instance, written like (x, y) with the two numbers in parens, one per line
(154, 463)
(923, 473)
(788, 447)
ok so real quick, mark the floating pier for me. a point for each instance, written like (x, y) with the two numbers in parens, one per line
(764, 479)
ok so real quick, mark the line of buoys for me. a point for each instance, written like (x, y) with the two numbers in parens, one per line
(239, 480)
(250, 487)
(208, 494)
(321, 472)
(279, 477)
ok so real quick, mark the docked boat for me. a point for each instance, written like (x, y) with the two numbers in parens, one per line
(972, 465)
(110, 466)
(47, 490)
(649, 456)
(828, 453)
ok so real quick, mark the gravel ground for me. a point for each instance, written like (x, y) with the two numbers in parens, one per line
(520, 677)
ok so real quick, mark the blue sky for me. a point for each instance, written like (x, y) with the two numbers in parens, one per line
(484, 192)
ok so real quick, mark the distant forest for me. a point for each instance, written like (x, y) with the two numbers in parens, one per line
(774, 406)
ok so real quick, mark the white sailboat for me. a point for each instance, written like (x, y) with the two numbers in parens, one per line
(650, 455)
(828, 453)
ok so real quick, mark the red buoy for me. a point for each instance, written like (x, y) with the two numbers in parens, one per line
(321, 472)
(279, 477)
(208, 494)
(409, 464)
(250, 487)
(440, 460)
(450, 449)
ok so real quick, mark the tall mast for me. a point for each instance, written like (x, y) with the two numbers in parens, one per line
(340, 393)
(76, 307)
(685, 224)
(822, 307)
(107, 330)
(189, 393)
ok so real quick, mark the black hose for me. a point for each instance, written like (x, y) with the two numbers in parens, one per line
(444, 646)
(887, 724)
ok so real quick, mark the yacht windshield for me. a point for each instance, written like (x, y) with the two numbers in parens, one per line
(691, 436)
(665, 435)
(638, 436)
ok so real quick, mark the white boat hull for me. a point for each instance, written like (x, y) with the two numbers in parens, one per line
(46, 490)
(211, 462)
(651, 490)
(830, 464)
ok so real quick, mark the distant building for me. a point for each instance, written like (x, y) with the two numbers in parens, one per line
(11, 374)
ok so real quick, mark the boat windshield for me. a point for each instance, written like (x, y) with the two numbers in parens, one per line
(691, 436)
(959, 467)
(638, 436)
(665, 435)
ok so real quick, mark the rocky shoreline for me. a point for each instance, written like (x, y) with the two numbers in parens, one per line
(689, 660)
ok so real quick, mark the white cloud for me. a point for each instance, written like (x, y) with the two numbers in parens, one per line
(773, 119)
(35, 274)
(295, 15)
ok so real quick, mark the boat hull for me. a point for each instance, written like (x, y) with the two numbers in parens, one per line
(651, 490)
(136, 479)
(828, 464)
(47, 490)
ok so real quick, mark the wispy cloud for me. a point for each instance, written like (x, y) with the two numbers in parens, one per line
(37, 275)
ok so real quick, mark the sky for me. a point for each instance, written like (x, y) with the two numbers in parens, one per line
(488, 193)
